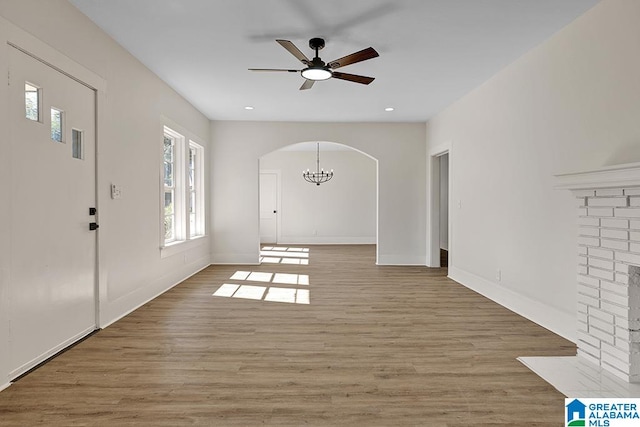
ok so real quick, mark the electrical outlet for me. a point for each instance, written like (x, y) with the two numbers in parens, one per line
(499, 275)
(459, 204)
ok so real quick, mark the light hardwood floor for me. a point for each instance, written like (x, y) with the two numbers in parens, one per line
(389, 346)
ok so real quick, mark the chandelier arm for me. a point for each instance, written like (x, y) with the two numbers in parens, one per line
(320, 176)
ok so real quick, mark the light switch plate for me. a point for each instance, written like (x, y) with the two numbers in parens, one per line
(116, 191)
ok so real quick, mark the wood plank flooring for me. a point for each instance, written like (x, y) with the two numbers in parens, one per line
(376, 346)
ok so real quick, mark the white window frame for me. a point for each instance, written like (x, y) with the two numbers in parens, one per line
(177, 188)
(197, 192)
(184, 237)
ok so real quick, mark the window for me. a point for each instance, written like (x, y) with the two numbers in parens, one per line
(32, 102)
(56, 125)
(183, 188)
(76, 144)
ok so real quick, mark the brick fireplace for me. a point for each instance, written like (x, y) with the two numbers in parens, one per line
(608, 267)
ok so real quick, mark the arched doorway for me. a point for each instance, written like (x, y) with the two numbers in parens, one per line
(343, 210)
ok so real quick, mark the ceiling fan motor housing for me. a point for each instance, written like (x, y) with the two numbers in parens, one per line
(316, 43)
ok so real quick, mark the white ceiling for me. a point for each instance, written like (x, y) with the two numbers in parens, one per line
(432, 52)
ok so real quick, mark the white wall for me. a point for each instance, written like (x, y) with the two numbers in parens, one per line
(398, 147)
(570, 104)
(130, 131)
(342, 210)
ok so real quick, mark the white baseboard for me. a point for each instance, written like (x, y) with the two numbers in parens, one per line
(327, 240)
(400, 260)
(47, 354)
(558, 322)
(3, 386)
(235, 259)
(201, 265)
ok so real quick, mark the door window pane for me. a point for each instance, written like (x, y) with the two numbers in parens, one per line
(32, 102)
(76, 144)
(56, 125)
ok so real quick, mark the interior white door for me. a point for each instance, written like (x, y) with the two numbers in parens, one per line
(268, 208)
(53, 259)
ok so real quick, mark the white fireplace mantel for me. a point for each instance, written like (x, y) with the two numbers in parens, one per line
(625, 175)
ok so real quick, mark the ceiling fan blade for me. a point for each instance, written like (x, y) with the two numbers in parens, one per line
(273, 69)
(360, 56)
(294, 51)
(353, 78)
(308, 84)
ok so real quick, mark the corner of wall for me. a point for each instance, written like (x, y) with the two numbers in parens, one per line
(558, 322)
(113, 311)
(404, 260)
(234, 259)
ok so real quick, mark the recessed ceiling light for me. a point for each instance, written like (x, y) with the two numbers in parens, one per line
(248, 107)
(389, 109)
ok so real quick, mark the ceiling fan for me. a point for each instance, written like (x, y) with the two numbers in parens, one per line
(316, 69)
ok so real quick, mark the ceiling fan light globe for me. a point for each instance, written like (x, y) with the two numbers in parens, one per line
(316, 74)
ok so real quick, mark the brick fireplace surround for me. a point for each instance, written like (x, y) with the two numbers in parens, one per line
(608, 248)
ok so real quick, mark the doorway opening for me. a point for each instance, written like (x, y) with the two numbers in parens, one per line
(343, 210)
(444, 209)
(439, 213)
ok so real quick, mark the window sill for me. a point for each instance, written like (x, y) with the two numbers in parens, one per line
(180, 246)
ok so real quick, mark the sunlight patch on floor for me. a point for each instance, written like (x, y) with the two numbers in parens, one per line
(281, 278)
(271, 255)
(250, 292)
(240, 275)
(273, 294)
(270, 260)
(284, 248)
(284, 255)
(294, 261)
(257, 276)
(289, 295)
(226, 290)
(291, 279)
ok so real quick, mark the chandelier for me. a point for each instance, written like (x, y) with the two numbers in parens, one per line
(319, 176)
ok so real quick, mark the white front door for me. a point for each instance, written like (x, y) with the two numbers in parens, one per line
(53, 261)
(268, 207)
